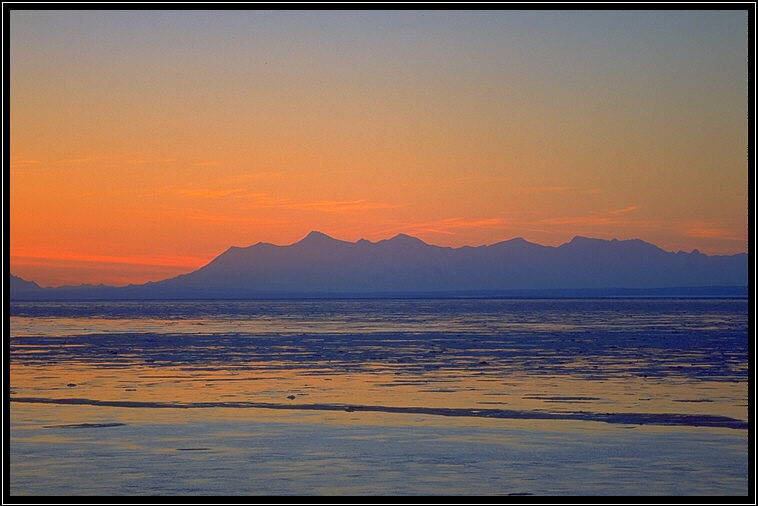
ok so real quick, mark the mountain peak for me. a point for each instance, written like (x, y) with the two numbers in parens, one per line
(315, 237)
(316, 234)
(403, 241)
(517, 240)
(319, 240)
(407, 239)
(580, 239)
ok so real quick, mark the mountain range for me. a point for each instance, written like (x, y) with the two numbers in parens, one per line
(320, 266)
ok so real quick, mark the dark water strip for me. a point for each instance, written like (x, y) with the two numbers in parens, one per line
(619, 418)
(83, 425)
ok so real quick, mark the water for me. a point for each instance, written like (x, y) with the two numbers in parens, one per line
(544, 397)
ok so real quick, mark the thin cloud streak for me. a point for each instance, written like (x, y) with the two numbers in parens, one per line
(530, 190)
(23, 162)
(101, 158)
(156, 160)
(625, 210)
(251, 176)
(444, 226)
(543, 189)
(261, 200)
(596, 219)
(264, 201)
(337, 206)
(233, 219)
(25, 257)
(89, 159)
(580, 220)
(712, 231)
(206, 194)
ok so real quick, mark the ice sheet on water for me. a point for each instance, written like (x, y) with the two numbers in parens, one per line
(630, 363)
(695, 338)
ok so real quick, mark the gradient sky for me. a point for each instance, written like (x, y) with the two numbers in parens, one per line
(144, 144)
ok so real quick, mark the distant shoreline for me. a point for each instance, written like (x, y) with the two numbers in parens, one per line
(123, 294)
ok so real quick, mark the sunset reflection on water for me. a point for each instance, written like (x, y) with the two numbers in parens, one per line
(380, 385)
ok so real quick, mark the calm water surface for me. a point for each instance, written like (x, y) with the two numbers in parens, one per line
(545, 397)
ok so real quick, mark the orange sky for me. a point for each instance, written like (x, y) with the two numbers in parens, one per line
(144, 144)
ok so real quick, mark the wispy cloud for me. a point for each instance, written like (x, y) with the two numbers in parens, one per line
(580, 220)
(127, 158)
(232, 186)
(712, 231)
(558, 189)
(22, 162)
(153, 160)
(249, 195)
(448, 226)
(205, 193)
(625, 210)
(263, 200)
(236, 187)
(544, 189)
(337, 206)
(68, 256)
(258, 200)
(250, 176)
(89, 159)
(18, 163)
(95, 158)
(222, 218)
(610, 217)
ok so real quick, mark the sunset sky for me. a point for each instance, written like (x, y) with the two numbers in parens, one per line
(144, 144)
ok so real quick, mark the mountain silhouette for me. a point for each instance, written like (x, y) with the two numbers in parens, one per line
(322, 265)
(17, 284)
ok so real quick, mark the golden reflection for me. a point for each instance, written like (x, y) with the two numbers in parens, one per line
(274, 383)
